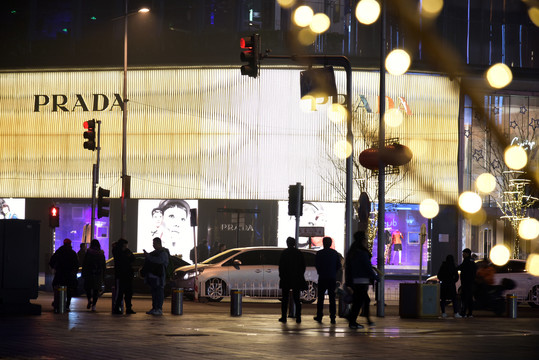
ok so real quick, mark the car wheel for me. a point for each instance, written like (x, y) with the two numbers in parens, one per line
(215, 289)
(534, 297)
(309, 296)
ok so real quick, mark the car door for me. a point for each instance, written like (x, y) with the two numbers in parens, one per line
(246, 272)
(270, 258)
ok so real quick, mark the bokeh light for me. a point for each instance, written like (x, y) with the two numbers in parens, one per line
(306, 37)
(499, 255)
(307, 103)
(528, 229)
(532, 264)
(286, 3)
(515, 157)
(393, 117)
(477, 218)
(486, 183)
(533, 13)
(303, 16)
(337, 113)
(320, 23)
(469, 202)
(342, 149)
(499, 76)
(397, 62)
(367, 11)
(431, 8)
(429, 208)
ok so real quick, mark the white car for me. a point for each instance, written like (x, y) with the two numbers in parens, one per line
(526, 285)
(253, 270)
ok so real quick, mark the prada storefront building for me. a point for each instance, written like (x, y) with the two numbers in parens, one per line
(228, 146)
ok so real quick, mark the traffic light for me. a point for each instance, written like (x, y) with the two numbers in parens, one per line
(251, 54)
(54, 216)
(103, 203)
(89, 135)
(295, 200)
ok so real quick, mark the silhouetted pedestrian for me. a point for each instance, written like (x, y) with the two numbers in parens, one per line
(81, 253)
(448, 276)
(292, 277)
(328, 263)
(123, 276)
(359, 274)
(156, 262)
(66, 265)
(93, 270)
(467, 279)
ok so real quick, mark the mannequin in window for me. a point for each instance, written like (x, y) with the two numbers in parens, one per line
(396, 240)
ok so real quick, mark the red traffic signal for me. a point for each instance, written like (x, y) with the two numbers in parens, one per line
(54, 216)
(89, 135)
(251, 54)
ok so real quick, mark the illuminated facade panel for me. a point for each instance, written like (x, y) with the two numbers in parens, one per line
(209, 133)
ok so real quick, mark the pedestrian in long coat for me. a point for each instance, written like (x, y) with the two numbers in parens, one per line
(292, 277)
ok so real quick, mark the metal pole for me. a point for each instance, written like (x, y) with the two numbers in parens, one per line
(94, 182)
(343, 61)
(298, 210)
(380, 310)
(124, 128)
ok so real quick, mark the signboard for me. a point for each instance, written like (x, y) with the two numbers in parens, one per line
(311, 231)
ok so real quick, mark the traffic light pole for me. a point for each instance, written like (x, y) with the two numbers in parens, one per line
(345, 63)
(95, 179)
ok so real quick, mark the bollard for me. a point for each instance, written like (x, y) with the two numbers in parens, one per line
(511, 303)
(177, 301)
(291, 305)
(60, 298)
(235, 302)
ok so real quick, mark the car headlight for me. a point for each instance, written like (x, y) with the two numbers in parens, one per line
(191, 274)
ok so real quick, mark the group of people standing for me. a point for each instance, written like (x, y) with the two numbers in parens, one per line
(65, 263)
(359, 275)
(448, 275)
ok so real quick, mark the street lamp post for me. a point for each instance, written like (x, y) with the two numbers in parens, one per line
(125, 179)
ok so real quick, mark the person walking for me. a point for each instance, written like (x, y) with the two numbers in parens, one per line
(328, 263)
(156, 263)
(448, 276)
(123, 276)
(93, 270)
(81, 253)
(65, 264)
(468, 271)
(359, 274)
(292, 277)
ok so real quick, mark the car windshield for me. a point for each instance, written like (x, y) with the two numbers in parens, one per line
(220, 257)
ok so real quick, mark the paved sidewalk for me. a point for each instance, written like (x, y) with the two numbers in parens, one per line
(207, 331)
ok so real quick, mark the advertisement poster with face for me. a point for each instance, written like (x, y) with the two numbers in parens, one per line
(12, 208)
(168, 220)
(330, 216)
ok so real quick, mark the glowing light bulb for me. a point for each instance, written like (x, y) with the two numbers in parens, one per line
(486, 183)
(303, 16)
(397, 62)
(367, 11)
(320, 23)
(286, 3)
(528, 229)
(393, 117)
(470, 202)
(429, 208)
(532, 264)
(499, 255)
(342, 149)
(337, 113)
(515, 157)
(431, 8)
(499, 76)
